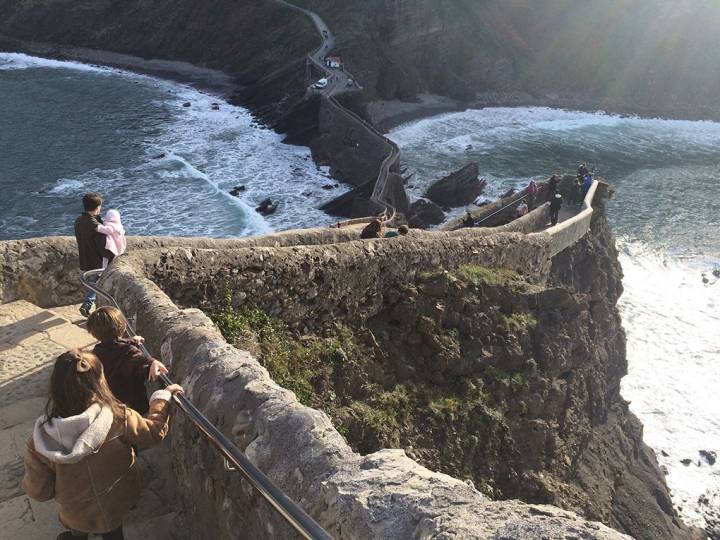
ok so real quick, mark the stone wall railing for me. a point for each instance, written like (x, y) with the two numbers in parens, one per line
(565, 234)
(383, 495)
(45, 270)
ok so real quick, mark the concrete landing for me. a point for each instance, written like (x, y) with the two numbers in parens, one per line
(30, 340)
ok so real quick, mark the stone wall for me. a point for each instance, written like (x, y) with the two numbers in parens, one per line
(45, 270)
(383, 495)
(571, 230)
(315, 285)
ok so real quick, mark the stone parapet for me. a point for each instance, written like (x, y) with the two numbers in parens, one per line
(383, 495)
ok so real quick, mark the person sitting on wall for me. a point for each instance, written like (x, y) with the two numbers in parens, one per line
(374, 229)
(522, 209)
(555, 206)
(402, 230)
(552, 186)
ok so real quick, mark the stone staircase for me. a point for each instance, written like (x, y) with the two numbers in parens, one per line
(30, 340)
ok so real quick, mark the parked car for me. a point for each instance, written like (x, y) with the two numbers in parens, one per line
(322, 83)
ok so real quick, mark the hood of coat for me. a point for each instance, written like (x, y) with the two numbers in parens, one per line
(68, 440)
(112, 218)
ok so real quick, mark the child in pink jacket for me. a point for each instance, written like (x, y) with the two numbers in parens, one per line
(114, 233)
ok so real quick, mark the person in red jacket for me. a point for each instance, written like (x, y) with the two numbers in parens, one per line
(126, 367)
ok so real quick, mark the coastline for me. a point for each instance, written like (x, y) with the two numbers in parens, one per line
(390, 114)
(210, 81)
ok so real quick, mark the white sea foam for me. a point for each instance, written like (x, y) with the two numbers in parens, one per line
(66, 186)
(16, 61)
(672, 319)
(209, 148)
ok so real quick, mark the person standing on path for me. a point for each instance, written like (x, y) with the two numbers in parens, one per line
(555, 206)
(91, 243)
(552, 187)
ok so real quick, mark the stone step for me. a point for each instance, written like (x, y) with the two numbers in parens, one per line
(23, 518)
(158, 528)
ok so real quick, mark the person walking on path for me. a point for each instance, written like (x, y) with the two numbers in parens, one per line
(126, 367)
(587, 184)
(82, 452)
(91, 243)
(552, 186)
(555, 206)
(532, 191)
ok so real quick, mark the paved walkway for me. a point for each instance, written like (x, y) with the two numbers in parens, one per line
(30, 340)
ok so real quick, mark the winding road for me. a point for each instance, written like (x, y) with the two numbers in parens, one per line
(342, 81)
(338, 81)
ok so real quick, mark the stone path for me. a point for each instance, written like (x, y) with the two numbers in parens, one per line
(30, 340)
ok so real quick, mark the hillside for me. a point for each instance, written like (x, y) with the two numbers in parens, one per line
(622, 55)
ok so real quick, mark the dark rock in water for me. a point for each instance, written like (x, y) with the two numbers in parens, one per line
(424, 213)
(664, 453)
(215, 107)
(186, 104)
(266, 207)
(237, 190)
(460, 188)
(709, 456)
(330, 186)
(159, 156)
(686, 461)
(716, 272)
(306, 193)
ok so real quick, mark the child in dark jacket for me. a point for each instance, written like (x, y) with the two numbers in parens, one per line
(126, 367)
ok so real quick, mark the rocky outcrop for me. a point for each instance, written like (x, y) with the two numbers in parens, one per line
(424, 213)
(460, 188)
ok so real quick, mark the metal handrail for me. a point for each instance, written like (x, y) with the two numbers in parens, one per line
(496, 212)
(286, 507)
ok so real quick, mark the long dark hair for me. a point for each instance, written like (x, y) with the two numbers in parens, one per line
(77, 381)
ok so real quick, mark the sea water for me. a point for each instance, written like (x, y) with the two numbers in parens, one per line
(67, 128)
(665, 213)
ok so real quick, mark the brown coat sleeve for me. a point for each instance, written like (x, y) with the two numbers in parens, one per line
(39, 479)
(150, 430)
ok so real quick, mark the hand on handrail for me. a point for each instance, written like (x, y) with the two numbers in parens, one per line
(175, 389)
(157, 368)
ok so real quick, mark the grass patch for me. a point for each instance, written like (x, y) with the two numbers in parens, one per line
(474, 273)
(299, 363)
(519, 322)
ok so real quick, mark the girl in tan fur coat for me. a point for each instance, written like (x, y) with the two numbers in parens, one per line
(82, 451)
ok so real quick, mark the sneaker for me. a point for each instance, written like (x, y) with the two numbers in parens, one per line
(85, 310)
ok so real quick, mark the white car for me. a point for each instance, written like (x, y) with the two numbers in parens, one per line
(322, 83)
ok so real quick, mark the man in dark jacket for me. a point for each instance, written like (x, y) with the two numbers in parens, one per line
(555, 206)
(91, 244)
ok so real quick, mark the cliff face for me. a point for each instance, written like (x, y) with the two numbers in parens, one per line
(504, 371)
